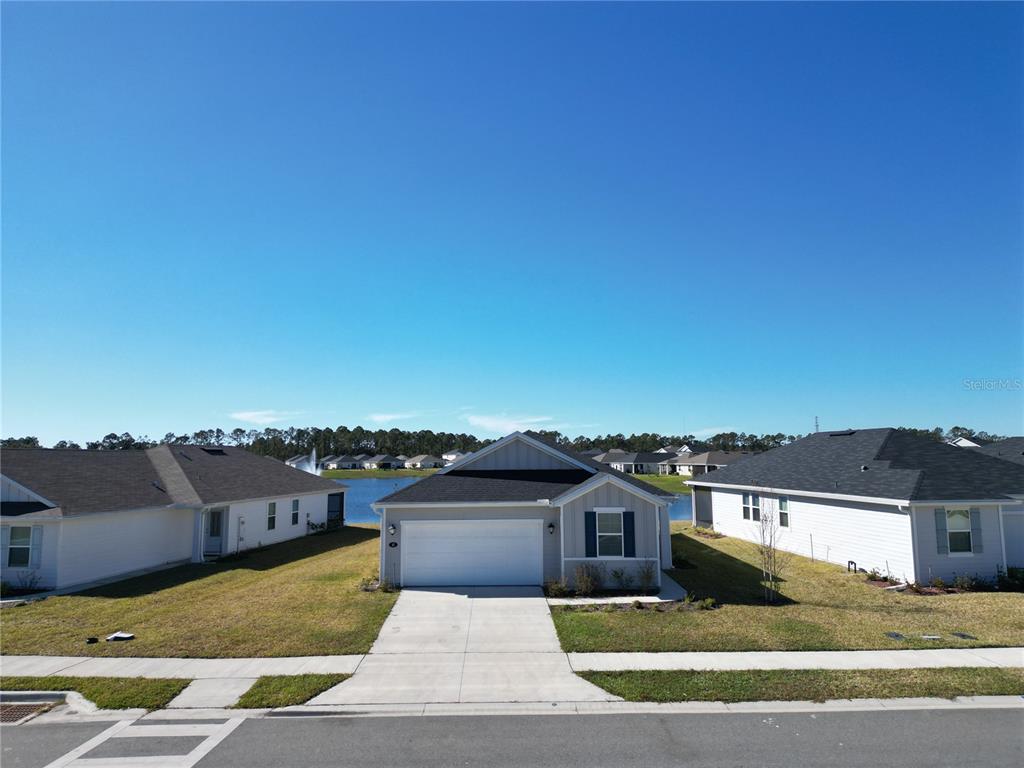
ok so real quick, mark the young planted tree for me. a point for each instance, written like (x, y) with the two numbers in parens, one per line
(773, 560)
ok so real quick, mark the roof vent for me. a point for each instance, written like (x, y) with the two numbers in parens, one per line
(863, 467)
(844, 433)
(215, 451)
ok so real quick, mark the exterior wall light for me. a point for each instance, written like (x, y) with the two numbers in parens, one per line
(551, 528)
(392, 530)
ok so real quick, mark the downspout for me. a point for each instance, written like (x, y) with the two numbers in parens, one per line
(913, 539)
(658, 526)
(1002, 536)
(561, 537)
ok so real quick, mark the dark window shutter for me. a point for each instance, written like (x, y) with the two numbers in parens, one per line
(976, 545)
(941, 540)
(628, 534)
(590, 528)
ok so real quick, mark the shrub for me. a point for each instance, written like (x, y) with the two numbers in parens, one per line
(623, 578)
(937, 582)
(637, 605)
(646, 574)
(706, 604)
(369, 583)
(874, 575)
(556, 588)
(964, 582)
(1012, 580)
(588, 579)
(387, 586)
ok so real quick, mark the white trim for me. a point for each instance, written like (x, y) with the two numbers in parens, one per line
(812, 494)
(600, 479)
(621, 534)
(29, 491)
(1002, 537)
(912, 513)
(609, 509)
(561, 542)
(488, 450)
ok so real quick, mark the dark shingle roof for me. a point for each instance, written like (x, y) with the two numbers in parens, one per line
(511, 485)
(712, 458)
(1010, 449)
(899, 465)
(491, 485)
(81, 482)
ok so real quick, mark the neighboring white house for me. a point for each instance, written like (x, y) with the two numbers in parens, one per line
(522, 511)
(450, 457)
(325, 462)
(699, 463)
(383, 461)
(424, 461)
(632, 463)
(883, 499)
(343, 462)
(967, 442)
(70, 517)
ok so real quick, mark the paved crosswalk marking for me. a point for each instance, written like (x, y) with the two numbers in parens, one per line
(215, 733)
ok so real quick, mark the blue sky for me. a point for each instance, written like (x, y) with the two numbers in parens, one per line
(595, 218)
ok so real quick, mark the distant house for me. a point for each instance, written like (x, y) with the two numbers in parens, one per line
(632, 463)
(968, 442)
(591, 452)
(297, 459)
(69, 517)
(699, 463)
(327, 460)
(883, 499)
(1010, 449)
(344, 462)
(424, 461)
(383, 461)
(450, 457)
(673, 449)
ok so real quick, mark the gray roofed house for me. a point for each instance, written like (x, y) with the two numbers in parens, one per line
(383, 461)
(888, 499)
(1010, 449)
(424, 461)
(162, 505)
(699, 463)
(632, 463)
(536, 504)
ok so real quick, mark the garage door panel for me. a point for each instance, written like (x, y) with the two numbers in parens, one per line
(472, 552)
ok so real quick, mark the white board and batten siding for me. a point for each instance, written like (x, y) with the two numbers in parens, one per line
(518, 455)
(871, 535)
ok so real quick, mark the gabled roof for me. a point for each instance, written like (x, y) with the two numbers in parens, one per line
(712, 458)
(326, 459)
(621, 457)
(381, 458)
(424, 457)
(875, 463)
(1010, 449)
(84, 482)
(462, 484)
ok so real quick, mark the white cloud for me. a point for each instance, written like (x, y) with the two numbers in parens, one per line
(263, 417)
(386, 418)
(503, 423)
(700, 434)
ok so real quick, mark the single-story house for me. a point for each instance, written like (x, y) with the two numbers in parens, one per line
(323, 464)
(676, 465)
(402, 457)
(343, 462)
(383, 461)
(886, 499)
(670, 449)
(700, 463)
(424, 461)
(633, 463)
(1010, 449)
(291, 461)
(70, 517)
(522, 511)
(450, 457)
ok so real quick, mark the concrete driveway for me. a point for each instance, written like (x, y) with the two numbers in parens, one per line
(469, 644)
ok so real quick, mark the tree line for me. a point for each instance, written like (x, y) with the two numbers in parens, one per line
(284, 443)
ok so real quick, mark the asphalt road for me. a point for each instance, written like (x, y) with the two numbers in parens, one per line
(958, 738)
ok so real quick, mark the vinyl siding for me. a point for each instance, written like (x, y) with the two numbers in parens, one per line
(253, 533)
(871, 535)
(46, 574)
(518, 455)
(9, 491)
(982, 564)
(609, 495)
(100, 546)
(391, 565)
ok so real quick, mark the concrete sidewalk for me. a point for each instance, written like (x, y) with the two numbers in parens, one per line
(932, 657)
(195, 669)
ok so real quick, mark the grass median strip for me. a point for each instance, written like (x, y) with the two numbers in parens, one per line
(823, 608)
(808, 684)
(105, 692)
(286, 690)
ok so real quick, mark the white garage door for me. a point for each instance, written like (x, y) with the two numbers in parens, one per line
(471, 552)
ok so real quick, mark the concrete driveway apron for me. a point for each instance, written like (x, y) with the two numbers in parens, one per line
(465, 644)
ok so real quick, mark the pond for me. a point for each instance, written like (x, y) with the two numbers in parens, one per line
(363, 492)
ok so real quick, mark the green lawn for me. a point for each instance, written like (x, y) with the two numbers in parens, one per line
(808, 684)
(286, 690)
(362, 474)
(299, 598)
(105, 692)
(824, 608)
(670, 483)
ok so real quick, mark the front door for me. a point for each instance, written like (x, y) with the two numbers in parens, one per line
(214, 531)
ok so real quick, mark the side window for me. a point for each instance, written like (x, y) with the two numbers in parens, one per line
(755, 507)
(784, 511)
(271, 515)
(19, 550)
(958, 529)
(746, 506)
(295, 511)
